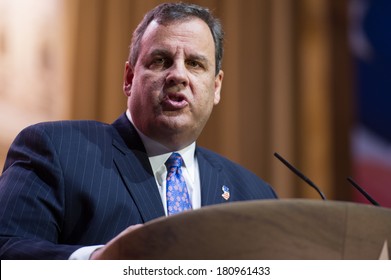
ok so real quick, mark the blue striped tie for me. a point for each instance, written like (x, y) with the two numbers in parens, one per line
(177, 195)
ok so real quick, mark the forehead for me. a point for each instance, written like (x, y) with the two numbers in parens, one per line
(192, 35)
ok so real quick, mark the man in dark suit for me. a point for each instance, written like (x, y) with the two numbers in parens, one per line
(70, 187)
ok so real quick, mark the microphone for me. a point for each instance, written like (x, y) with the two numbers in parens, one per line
(301, 175)
(361, 190)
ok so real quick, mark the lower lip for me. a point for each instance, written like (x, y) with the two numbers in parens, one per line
(172, 105)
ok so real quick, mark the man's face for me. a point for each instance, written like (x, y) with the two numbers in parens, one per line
(173, 87)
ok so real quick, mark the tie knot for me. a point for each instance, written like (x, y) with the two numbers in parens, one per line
(175, 160)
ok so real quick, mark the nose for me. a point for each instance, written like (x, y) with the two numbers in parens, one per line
(177, 74)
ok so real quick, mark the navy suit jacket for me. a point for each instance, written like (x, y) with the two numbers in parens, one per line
(70, 184)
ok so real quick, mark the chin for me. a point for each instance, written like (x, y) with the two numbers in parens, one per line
(175, 121)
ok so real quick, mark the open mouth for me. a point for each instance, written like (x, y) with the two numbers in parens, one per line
(174, 101)
(176, 97)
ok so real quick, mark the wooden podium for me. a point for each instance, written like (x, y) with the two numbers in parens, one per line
(263, 229)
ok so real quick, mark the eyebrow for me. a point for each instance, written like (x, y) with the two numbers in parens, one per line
(199, 57)
(161, 52)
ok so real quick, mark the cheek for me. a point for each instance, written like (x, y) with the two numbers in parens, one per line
(205, 103)
(151, 82)
(212, 97)
(146, 89)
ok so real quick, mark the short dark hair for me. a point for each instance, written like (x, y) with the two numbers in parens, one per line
(170, 12)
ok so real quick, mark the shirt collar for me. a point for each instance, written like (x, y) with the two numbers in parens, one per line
(157, 162)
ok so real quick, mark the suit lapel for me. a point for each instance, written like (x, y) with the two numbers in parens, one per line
(212, 179)
(133, 165)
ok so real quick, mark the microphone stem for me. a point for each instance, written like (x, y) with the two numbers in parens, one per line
(364, 193)
(301, 175)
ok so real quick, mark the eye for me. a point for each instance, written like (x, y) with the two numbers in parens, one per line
(193, 64)
(159, 61)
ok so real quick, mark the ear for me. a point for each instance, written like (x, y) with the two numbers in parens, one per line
(128, 79)
(218, 84)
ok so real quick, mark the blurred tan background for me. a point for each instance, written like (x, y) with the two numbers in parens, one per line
(287, 86)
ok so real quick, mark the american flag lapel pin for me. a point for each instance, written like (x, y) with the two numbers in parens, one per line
(226, 193)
